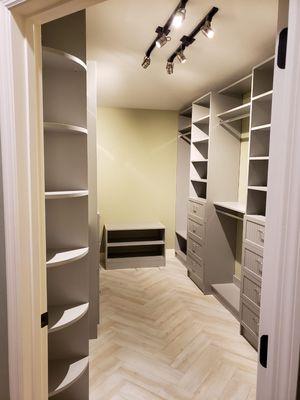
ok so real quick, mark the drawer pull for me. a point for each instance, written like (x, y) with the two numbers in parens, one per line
(260, 265)
(262, 235)
(257, 291)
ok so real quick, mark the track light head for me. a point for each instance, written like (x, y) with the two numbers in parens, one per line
(207, 30)
(162, 40)
(170, 67)
(179, 17)
(146, 62)
(181, 57)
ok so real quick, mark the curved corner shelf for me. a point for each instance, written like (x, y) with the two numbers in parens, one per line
(54, 58)
(56, 258)
(67, 194)
(64, 373)
(61, 317)
(55, 127)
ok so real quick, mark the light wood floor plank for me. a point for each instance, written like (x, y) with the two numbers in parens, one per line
(161, 339)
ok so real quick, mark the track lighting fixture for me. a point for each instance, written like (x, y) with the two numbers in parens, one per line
(170, 67)
(179, 17)
(176, 19)
(146, 62)
(204, 26)
(207, 30)
(181, 57)
(162, 40)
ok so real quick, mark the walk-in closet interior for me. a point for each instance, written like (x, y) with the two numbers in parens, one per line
(156, 184)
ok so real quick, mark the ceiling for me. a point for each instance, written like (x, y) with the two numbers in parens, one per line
(120, 31)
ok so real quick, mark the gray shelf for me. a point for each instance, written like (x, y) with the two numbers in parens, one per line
(135, 245)
(229, 295)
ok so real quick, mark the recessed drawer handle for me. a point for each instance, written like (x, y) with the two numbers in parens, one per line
(262, 235)
(257, 291)
(260, 265)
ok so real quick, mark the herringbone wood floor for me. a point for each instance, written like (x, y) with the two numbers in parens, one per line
(161, 338)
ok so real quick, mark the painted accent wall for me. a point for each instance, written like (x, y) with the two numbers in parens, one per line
(137, 152)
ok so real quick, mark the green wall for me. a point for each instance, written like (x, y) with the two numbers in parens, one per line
(137, 167)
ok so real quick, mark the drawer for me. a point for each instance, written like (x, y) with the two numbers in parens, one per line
(195, 266)
(196, 209)
(249, 318)
(255, 233)
(253, 261)
(196, 228)
(195, 248)
(251, 288)
(250, 337)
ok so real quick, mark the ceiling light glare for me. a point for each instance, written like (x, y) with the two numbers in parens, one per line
(181, 57)
(170, 67)
(207, 30)
(162, 40)
(179, 17)
(146, 62)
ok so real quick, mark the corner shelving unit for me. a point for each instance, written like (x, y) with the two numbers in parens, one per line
(135, 246)
(262, 92)
(66, 196)
(182, 182)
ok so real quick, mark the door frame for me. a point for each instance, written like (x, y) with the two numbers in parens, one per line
(23, 181)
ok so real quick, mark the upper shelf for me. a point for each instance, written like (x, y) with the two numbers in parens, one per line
(56, 258)
(202, 121)
(54, 127)
(61, 317)
(236, 113)
(238, 88)
(63, 373)
(185, 130)
(67, 194)
(53, 58)
(265, 127)
(267, 96)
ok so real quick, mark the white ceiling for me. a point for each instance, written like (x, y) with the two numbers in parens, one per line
(120, 31)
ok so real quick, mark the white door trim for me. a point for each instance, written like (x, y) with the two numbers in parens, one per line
(21, 139)
(281, 276)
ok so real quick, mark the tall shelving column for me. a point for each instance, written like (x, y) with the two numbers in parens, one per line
(227, 190)
(66, 181)
(182, 182)
(196, 240)
(262, 91)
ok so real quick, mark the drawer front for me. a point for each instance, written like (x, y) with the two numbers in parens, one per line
(197, 209)
(195, 248)
(255, 233)
(252, 339)
(196, 228)
(195, 266)
(251, 289)
(253, 261)
(250, 319)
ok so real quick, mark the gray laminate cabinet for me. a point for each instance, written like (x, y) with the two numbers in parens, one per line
(255, 220)
(182, 182)
(71, 218)
(135, 246)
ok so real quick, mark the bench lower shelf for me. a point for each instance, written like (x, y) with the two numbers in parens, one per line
(135, 262)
